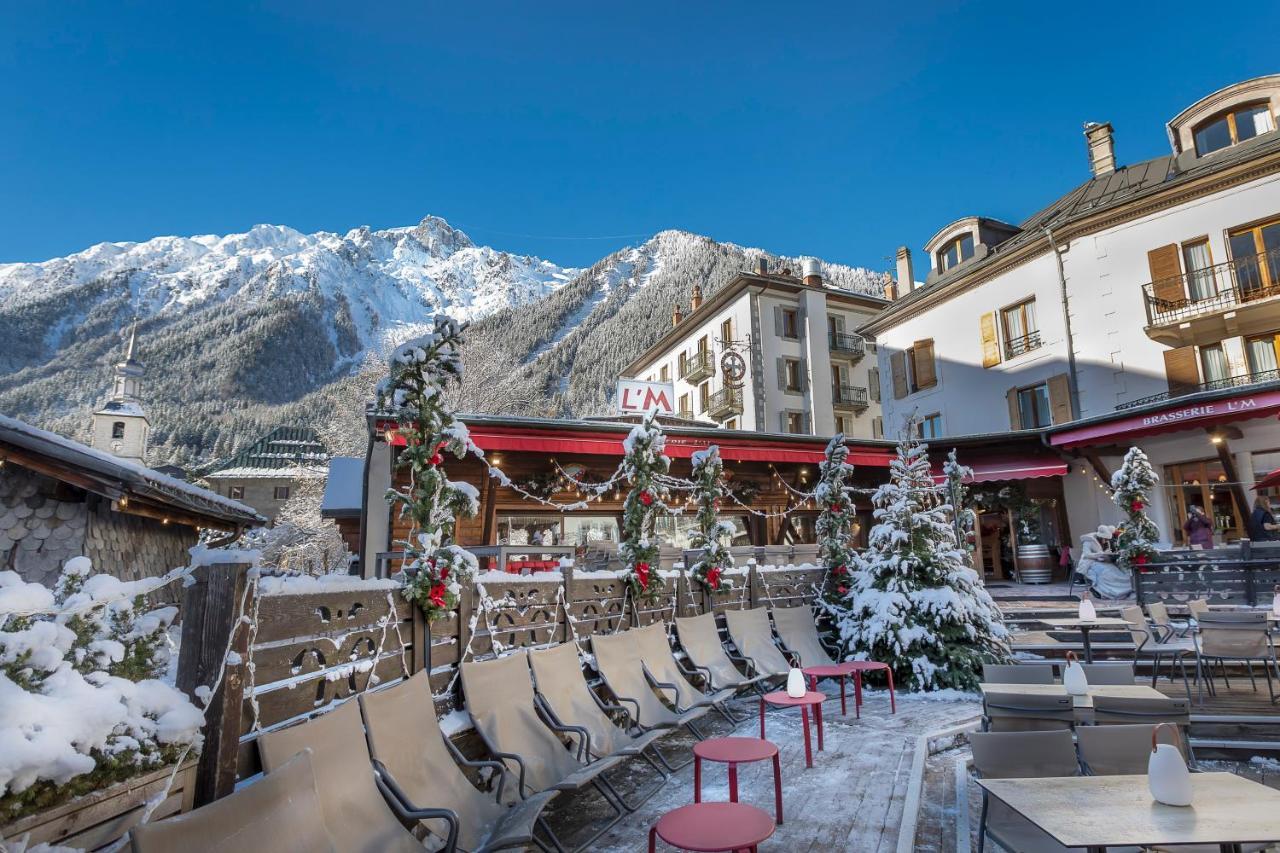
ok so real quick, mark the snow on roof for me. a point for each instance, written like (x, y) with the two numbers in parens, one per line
(245, 472)
(344, 491)
(137, 477)
(119, 407)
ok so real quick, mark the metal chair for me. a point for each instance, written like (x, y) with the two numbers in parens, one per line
(700, 639)
(1149, 643)
(669, 678)
(1240, 636)
(1017, 673)
(799, 636)
(753, 636)
(1026, 712)
(1108, 673)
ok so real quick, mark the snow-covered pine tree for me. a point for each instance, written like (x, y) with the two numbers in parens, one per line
(642, 464)
(835, 519)
(420, 370)
(711, 534)
(914, 603)
(1135, 541)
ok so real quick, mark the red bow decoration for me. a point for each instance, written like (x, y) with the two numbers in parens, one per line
(437, 595)
(842, 589)
(835, 507)
(642, 574)
(1137, 506)
(444, 573)
(713, 577)
(1140, 560)
(646, 498)
(839, 571)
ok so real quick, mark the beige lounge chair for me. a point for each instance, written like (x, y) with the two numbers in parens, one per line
(1239, 636)
(619, 664)
(799, 635)
(667, 676)
(280, 812)
(1026, 712)
(362, 813)
(1108, 673)
(418, 763)
(752, 634)
(1017, 673)
(700, 639)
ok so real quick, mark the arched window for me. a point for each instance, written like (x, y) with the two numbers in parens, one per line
(955, 251)
(1233, 127)
(117, 429)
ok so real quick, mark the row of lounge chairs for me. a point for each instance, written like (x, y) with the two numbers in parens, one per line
(378, 774)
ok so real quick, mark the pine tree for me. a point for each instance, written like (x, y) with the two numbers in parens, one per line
(642, 464)
(421, 370)
(1135, 541)
(914, 603)
(835, 519)
(712, 534)
(963, 517)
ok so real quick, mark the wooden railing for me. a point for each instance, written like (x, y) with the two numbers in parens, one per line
(1243, 574)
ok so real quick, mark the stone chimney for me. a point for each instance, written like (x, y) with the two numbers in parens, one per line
(891, 290)
(1102, 148)
(676, 316)
(812, 272)
(695, 300)
(906, 273)
(762, 265)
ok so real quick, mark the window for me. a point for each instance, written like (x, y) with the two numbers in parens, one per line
(842, 424)
(726, 331)
(281, 493)
(732, 423)
(873, 384)
(956, 251)
(921, 368)
(791, 375)
(236, 493)
(704, 397)
(1213, 364)
(1261, 352)
(1233, 127)
(1021, 334)
(1198, 262)
(877, 427)
(117, 429)
(664, 375)
(702, 345)
(686, 408)
(1255, 253)
(682, 364)
(930, 426)
(795, 422)
(1034, 410)
(790, 323)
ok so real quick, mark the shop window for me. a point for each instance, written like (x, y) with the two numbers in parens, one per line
(929, 426)
(955, 252)
(676, 530)
(236, 493)
(281, 493)
(546, 529)
(1204, 484)
(1233, 127)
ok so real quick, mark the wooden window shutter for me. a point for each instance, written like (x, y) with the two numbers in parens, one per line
(803, 369)
(1166, 273)
(1181, 369)
(782, 421)
(898, 366)
(807, 425)
(1015, 415)
(923, 367)
(873, 384)
(990, 340)
(777, 320)
(1060, 398)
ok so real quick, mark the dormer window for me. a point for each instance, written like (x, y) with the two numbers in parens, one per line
(955, 251)
(1233, 127)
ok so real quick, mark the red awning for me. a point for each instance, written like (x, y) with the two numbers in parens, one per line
(1269, 481)
(1172, 418)
(1017, 468)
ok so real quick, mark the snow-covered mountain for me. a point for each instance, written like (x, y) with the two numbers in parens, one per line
(245, 331)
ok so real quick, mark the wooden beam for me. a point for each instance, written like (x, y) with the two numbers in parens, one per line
(1229, 468)
(1095, 462)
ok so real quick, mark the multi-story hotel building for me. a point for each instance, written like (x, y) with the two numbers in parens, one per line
(795, 362)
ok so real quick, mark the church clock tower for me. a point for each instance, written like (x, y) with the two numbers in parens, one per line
(121, 426)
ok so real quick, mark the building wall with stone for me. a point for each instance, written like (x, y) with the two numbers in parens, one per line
(258, 492)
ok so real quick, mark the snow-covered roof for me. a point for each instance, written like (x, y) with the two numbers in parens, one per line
(246, 472)
(344, 491)
(114, 477)
(122, 407)
(283, 447)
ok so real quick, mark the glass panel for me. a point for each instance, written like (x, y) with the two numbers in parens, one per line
(1033, 406)
(1264, 464)
(1223, 507)
(1213, 136)
(966, 247)
(1199, 276)
(1271, 245)
(581, 529)
(1214, 363)
(1244, 251)
(1262, 354)
(1252, 121)
(1029, 312)
(528, 530)
(1013, 327)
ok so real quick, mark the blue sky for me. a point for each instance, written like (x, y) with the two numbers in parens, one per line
(835, 129)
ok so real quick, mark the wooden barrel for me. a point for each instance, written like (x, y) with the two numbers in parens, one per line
(1035, 564)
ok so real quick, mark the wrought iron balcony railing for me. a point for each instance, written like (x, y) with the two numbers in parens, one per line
(851, 397)
(1216, 385)
(1212, 289)
(1026, 343)
(725, 403)
(698, 365)
(847, 344)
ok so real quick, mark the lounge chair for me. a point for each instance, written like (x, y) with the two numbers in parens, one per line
(753, 636)
(420, 765)
(669, 678)
(1108, 673)
(508, 718)
(700, 639)
(361, 811)
(619, 664)
(1027, 712)
(799, 635)
(1018, 673)
(279, 812)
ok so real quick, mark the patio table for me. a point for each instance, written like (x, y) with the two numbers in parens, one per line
(1095, 812)
(811, 699)
(841, 672)
(1124, 691)
(1084, 626)
(712, 827)
(732, 751)
(861, 666)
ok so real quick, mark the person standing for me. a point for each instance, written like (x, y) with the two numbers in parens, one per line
(1198, 527)
(1262, 524)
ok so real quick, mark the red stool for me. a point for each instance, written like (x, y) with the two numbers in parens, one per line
(733, 751)
(811, 699)
(842, 671)
(712, 828)
(861, 666)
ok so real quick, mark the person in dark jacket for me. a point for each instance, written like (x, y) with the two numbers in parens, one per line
(1198, 527)
(1262, 524)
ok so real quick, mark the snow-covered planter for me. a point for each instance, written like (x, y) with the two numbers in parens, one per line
(82, 704)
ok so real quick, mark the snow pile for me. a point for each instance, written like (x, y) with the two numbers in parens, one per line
(303, 584)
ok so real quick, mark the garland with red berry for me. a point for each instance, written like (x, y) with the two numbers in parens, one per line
(1134, 542)
(835, 520)
(711, 533)
(412, 393)
(642, 465)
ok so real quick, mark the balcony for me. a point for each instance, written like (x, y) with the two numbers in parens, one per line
(847, 345)
(1015, 347)
(699, 365)
(725, 404)
(850, 398)
(1239, 297)
(1217, 385)
(685, 415)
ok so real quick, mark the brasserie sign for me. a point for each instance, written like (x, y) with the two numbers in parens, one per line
(1204, 410)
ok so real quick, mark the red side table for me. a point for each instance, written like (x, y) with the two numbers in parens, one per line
(733, 751)
(841, 671)
(811, 699)
(712, 828)
(861, 666)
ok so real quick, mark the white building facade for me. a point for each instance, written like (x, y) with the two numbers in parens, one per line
(772, 353)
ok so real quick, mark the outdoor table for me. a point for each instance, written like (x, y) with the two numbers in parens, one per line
(1084, 626)
(841, 672)
(732, 751)
(1085, 702)
(1095, 812)
(861, 666)
(711, 827)
(811, 699)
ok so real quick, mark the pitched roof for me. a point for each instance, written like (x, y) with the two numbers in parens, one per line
(283, 447)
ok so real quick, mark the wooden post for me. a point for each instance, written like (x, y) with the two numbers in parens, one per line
(569, 630)
(753, 578)
(210, 613)
(465, 603)
(421, 639)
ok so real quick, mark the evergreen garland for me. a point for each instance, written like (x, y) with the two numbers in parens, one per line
(836, 517)
(642, 464)
(711, 533)
(420, 371)
(1134, 542)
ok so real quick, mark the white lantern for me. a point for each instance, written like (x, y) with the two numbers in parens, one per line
(1167, 772)
(1087, 611)
(1073, 677)
(795, 683)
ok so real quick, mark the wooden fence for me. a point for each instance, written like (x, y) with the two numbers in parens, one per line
(1238, 575)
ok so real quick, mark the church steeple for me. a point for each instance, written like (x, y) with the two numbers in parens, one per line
(121, 426)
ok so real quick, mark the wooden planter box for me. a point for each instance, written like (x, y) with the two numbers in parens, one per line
(97, 819)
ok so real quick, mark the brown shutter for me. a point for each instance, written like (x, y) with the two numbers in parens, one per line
(1060, 398)
(1166, 273)
(898, 366)
(1015, 416)
(922, 364)
(990, 340)
(1181, 369)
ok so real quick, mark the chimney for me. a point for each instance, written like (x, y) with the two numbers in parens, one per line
(890, 290)
(695, 301)
(1102, 148)
(762, 265)
(812, 272)
(906, 274)
(676, 316)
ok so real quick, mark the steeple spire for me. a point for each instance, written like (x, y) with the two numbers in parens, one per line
(121, 426)
(133, 340)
